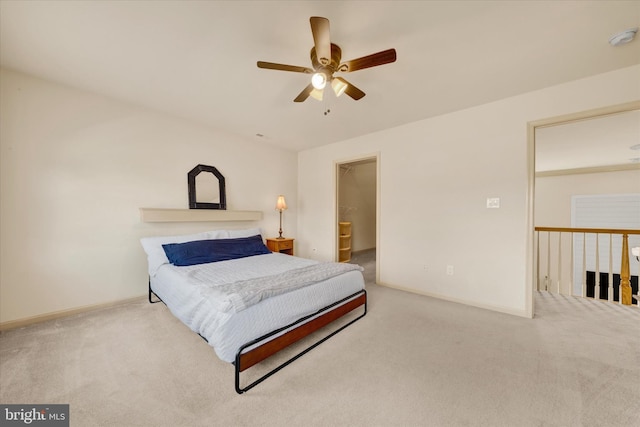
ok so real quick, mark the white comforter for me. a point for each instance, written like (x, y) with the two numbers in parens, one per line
(192, 302)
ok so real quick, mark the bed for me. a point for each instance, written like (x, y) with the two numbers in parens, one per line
(247, 302)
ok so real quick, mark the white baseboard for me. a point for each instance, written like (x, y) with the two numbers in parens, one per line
(19, 323)
(519, 313)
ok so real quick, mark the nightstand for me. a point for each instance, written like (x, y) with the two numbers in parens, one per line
(284, 246)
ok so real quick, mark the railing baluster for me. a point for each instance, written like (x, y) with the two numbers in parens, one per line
(625, 284)
(610, 281)
(571, 260)
(559, 261)
(638, 299)
(584, 265)
(548, 276)
(538, 260)
(596, 289)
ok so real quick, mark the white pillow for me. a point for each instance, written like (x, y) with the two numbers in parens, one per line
(234, 234)
(156, 256)
(217, 234)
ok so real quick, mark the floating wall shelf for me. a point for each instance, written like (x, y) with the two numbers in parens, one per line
(196, 215)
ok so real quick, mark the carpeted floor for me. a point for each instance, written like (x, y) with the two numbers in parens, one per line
(412, 361)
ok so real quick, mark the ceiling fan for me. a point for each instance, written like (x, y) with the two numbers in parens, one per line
(325, 59)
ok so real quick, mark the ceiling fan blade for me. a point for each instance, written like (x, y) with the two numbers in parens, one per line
(351, 90)
(373, 60)
(304, 94)
(284, 67)
(321, 39)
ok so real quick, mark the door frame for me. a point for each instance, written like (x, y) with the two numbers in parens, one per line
(336, 241)
(531, 154)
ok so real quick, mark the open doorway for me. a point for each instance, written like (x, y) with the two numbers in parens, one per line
(356, 215)
(586, 153)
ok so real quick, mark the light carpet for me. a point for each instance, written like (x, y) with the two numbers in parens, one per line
(412, 361)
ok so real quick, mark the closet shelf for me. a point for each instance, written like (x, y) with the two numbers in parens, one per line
(344, 234)
(196, 215)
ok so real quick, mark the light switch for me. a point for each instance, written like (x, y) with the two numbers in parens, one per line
(493, 202)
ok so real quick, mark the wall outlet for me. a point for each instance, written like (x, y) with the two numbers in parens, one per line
(493, 202)
(449, 270)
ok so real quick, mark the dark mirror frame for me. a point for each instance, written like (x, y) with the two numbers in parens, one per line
(191, 179)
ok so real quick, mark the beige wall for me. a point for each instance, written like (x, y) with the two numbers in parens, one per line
(553, 194)
(75, 167)
(436, 175)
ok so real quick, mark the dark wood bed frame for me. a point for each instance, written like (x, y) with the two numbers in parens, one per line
(266, 345)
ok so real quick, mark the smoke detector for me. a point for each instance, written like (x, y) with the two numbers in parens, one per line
(623, 37)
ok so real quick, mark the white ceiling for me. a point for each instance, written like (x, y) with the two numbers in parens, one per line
(197, 59)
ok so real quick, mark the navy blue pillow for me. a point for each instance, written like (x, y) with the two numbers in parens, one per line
(204, 251)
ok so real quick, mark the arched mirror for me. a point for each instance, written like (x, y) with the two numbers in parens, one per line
(206, 190)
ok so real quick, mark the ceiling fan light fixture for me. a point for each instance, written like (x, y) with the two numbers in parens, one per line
(319, 81)
(339, 86)
(316, 94)
(326, 60)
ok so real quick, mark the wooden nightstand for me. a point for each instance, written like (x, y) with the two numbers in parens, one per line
(284, 245)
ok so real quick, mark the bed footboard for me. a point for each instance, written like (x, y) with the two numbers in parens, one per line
(301, 328)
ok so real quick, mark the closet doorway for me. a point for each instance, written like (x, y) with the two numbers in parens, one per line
(357, 202)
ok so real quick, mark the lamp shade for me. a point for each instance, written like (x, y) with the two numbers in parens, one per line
(316, 94)
(339, 85)
(281, 204)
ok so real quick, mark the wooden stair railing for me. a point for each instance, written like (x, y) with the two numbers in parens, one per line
(625, 293)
